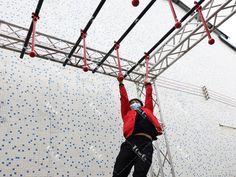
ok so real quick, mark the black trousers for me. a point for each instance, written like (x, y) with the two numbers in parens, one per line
(135, 151)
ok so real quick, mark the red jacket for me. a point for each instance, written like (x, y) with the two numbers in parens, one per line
(129, 115)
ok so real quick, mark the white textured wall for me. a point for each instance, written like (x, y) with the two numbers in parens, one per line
(59, 121)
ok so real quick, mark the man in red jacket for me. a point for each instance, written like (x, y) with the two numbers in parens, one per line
(140, 128)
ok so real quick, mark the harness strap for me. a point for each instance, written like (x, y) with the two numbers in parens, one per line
(177, 22)
(84, 35)
(147, 61)
(120, 75)
(198, 8)
(32, 52)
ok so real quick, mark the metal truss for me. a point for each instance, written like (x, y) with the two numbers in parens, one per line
(162, 161)
(52, 48)
(48, 47)
(190, 35)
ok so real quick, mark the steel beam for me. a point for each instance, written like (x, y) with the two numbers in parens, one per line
(56, 49)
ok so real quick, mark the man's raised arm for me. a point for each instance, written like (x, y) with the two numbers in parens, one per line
(124, 100)
(148, 99)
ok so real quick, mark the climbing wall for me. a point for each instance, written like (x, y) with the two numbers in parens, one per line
(56, 121)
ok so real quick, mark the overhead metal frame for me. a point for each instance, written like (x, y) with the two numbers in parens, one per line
(55, 49)
(190, 35)
(163, 38)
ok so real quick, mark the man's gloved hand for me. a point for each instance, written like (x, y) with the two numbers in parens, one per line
(120, 77)
(120, 81)
(147, 81)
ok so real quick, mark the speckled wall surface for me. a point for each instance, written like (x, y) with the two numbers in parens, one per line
(57, 121)
(56, 124)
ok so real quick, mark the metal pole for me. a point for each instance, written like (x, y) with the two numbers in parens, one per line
(159, 159)
(164, 132)
(221, 125)
(139, 92)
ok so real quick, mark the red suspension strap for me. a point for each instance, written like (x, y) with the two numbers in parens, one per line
(147, 61)
(210, 39)
(32, 52)
(120, 75)
(85, 67)
(177, 22)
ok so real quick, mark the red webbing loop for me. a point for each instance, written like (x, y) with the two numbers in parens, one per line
(84, 35)
(177, 22)
(147, 61)
(198, 8)
(120, 75)
(32, 52)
